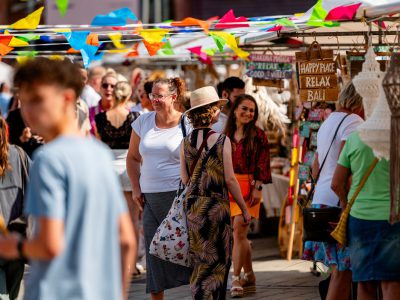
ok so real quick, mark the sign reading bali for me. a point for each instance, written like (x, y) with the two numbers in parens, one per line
(270, 67)
(317, 75)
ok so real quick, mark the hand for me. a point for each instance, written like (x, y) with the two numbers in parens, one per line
(246, 217)
(26, 135)
(8, 246)
(138, 198)
(255, 197)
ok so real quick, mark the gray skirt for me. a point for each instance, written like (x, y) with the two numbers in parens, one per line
(160, 275)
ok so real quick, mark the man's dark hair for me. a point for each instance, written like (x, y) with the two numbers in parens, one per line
(219, 89)
(232, 83)
(50, 72)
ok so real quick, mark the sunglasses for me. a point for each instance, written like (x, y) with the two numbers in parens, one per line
(106, 85)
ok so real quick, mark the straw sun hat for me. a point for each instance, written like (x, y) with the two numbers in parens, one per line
(204, 96)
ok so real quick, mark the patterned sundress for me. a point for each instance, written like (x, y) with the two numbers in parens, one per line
(208, 218)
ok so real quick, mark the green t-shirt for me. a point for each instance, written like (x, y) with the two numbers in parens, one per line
(373, 201)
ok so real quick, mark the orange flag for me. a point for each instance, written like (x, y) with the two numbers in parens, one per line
(134, 51)
(4, 49)
(153, 48)
(92, 39)
(192, 22)
(72, 51)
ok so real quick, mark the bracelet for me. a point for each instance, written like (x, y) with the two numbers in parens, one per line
(20, 248)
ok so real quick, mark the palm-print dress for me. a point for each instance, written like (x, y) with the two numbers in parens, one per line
(208, 218)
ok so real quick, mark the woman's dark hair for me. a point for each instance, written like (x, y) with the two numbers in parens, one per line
(249, 130)
(202, 116)
(148, 86)
(4, 163)
(52, 72)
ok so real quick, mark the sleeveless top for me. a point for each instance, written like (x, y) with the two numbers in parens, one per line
(115, 138)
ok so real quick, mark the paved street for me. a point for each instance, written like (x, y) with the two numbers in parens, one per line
(276, 277)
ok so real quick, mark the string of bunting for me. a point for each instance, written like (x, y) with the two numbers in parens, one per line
(121, 28)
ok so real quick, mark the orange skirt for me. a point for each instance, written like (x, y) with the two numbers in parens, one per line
(245, 186)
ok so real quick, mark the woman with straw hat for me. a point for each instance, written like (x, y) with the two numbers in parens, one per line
(206, 167)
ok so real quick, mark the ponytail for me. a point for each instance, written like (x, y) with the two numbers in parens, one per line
(4, 163)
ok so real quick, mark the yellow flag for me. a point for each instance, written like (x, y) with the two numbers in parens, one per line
(17, 43)
(230, 40)
(116, 39)
(153, 36)
(29, 22)
(118, 50)
(22, 59)
(56, 57)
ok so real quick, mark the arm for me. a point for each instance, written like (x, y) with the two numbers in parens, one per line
(46, 245)
(127, 241)
(133, 161)
(339, 183)
(315, 166)
(231, 181)
(184, 174)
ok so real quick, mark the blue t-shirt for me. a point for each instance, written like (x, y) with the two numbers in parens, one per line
(72, 179)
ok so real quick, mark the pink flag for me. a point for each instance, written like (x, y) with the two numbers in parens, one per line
(203, 57)
(342, 13)
(229, 17)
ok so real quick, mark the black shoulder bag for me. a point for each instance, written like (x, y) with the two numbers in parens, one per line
(318, 222)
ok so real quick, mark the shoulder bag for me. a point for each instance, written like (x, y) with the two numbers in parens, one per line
(317, 221)
(171, 240)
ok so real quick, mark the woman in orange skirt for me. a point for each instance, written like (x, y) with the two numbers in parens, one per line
(251, 162)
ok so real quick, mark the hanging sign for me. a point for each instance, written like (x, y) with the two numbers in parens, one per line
(269, 67)
(317, 75)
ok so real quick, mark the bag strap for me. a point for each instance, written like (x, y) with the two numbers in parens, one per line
(183, 127)
(362, 182)
(25, 176)
(202, 146)
(314, 181)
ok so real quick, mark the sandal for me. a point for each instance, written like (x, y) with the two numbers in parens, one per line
(236, 289)
(248, 282)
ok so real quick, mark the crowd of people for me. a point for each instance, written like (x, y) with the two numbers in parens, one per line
(89, 163)
(105, 166)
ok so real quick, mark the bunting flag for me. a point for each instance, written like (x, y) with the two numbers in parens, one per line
(275, 28)
(56, 57)
(116, 39)
(24, 56)
(318, 15)
(28, 37)
(203, 57)
(229, 17)
(15, 42)
(93, 39)
(343, 13)
(77, 40)
(29, 22)
(5, 49)
(192, 22)
(167, 49)
(285, 22)
(152, 48)
(219, 41)
(153, 36)
(115, 18)
(72, 51)
(230, 41)
(138, 28)
(62, 6)
(134, 51)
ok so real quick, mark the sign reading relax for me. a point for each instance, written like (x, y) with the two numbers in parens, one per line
(317, 75)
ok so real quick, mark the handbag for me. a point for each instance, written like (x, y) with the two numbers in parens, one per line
(171, 240)
(340, 232)
(317, 221)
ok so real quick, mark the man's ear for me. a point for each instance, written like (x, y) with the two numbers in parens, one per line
(225, 95)
(70, 96)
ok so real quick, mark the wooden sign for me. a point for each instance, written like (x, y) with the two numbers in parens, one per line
(270, 67)
(317, 75)
(276, 83)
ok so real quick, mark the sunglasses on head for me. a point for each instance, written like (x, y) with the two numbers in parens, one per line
(106, 85)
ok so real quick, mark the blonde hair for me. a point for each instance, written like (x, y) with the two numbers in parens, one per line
(4, 163)
(122, 92)
(349, 98)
